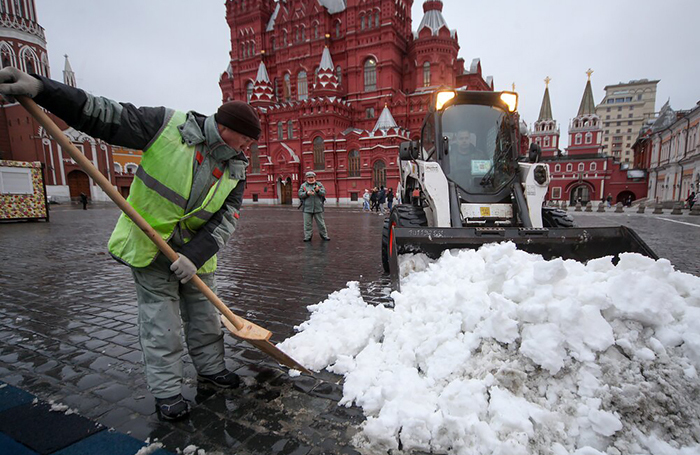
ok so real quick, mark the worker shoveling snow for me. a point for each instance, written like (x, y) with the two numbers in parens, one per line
(497, 351)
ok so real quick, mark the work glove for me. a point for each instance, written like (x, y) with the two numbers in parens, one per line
(14, 82)
(183, 269)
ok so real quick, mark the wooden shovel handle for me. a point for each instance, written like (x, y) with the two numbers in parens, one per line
(118, 199)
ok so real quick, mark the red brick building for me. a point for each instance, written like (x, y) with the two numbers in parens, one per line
(338, 85)
(23, 46)
(584, 172)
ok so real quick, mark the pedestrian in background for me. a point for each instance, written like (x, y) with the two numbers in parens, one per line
(691, 200)
(191, 164)
(365, 201)
(84, 200)
(314, 195)
(609, 200)
(389, 199)
(373, 199)
(381, 200)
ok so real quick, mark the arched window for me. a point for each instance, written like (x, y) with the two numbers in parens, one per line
(287, 87)
(426, 74)
(354, 163)
(589, 138)
(370, 75)
(362, 22)
(594, 166)
(319, 162)
(254, 159)
(316, 31)
(557, 168)
(117, 166)
(302, 86)
(337, 29)
(249, 90)
(577, 139)
(131, 168)
(274, 43)
(569, 167)
(376, 19)
(290, 130)
(303, 33)
(7, 55)
(284, 37)
(339, 74)
(280, 131)
(581, 166)
(546, 141)
(379, 174)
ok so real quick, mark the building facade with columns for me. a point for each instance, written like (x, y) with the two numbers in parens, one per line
(583, 172)
(670, 149)
(338, 85)
(23, 46)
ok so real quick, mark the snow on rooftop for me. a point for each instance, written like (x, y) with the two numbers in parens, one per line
(334, 6)
(385, 121)
(498, 351)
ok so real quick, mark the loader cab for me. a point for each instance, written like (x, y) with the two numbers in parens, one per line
(475, 145)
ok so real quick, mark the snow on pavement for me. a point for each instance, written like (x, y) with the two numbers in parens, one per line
(498, 351)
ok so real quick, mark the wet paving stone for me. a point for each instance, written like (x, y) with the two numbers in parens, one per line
(90, 380)
(113, 392)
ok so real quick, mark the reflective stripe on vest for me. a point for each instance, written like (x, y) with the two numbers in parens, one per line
(159, 192)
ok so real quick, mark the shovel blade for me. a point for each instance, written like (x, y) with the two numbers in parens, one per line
(263, 343)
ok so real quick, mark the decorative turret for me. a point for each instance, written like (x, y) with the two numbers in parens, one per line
(585, 130)
(433, 18)
(385, 121)
(326, 83)
(434, 49)
(263, 94)
(546, 130)
(22, 40)
(68, 74)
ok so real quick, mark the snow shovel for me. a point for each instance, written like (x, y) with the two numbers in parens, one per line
(239, 327)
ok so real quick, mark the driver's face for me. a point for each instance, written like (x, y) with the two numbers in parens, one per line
(463, 140)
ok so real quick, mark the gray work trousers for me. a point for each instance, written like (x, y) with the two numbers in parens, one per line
(165, 306)
(308, 224)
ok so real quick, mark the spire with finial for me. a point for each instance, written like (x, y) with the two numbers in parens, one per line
(587, 106)
(68, 74)
(546, 108)
(326, 83)
(385, 121)
(263, 93)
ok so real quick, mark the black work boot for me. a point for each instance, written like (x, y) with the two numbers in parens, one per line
(224, 379)
(173, 408)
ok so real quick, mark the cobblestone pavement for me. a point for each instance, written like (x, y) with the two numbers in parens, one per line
(68, 328)
(674, 237)
(68, 323)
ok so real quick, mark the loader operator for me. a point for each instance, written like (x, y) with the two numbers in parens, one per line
(188, 186)
(469, 162)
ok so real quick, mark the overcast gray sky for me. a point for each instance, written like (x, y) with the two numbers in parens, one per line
(172, 52)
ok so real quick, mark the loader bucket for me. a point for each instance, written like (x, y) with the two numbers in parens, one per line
(580, 244)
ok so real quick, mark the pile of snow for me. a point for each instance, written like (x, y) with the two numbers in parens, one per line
(498, 351)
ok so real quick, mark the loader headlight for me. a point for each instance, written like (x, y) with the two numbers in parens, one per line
(442, 98)
(511, 100)
(540, 175)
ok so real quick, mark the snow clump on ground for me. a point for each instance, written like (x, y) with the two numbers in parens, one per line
(498, 351)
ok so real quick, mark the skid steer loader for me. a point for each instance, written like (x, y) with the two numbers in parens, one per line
(466, 183)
